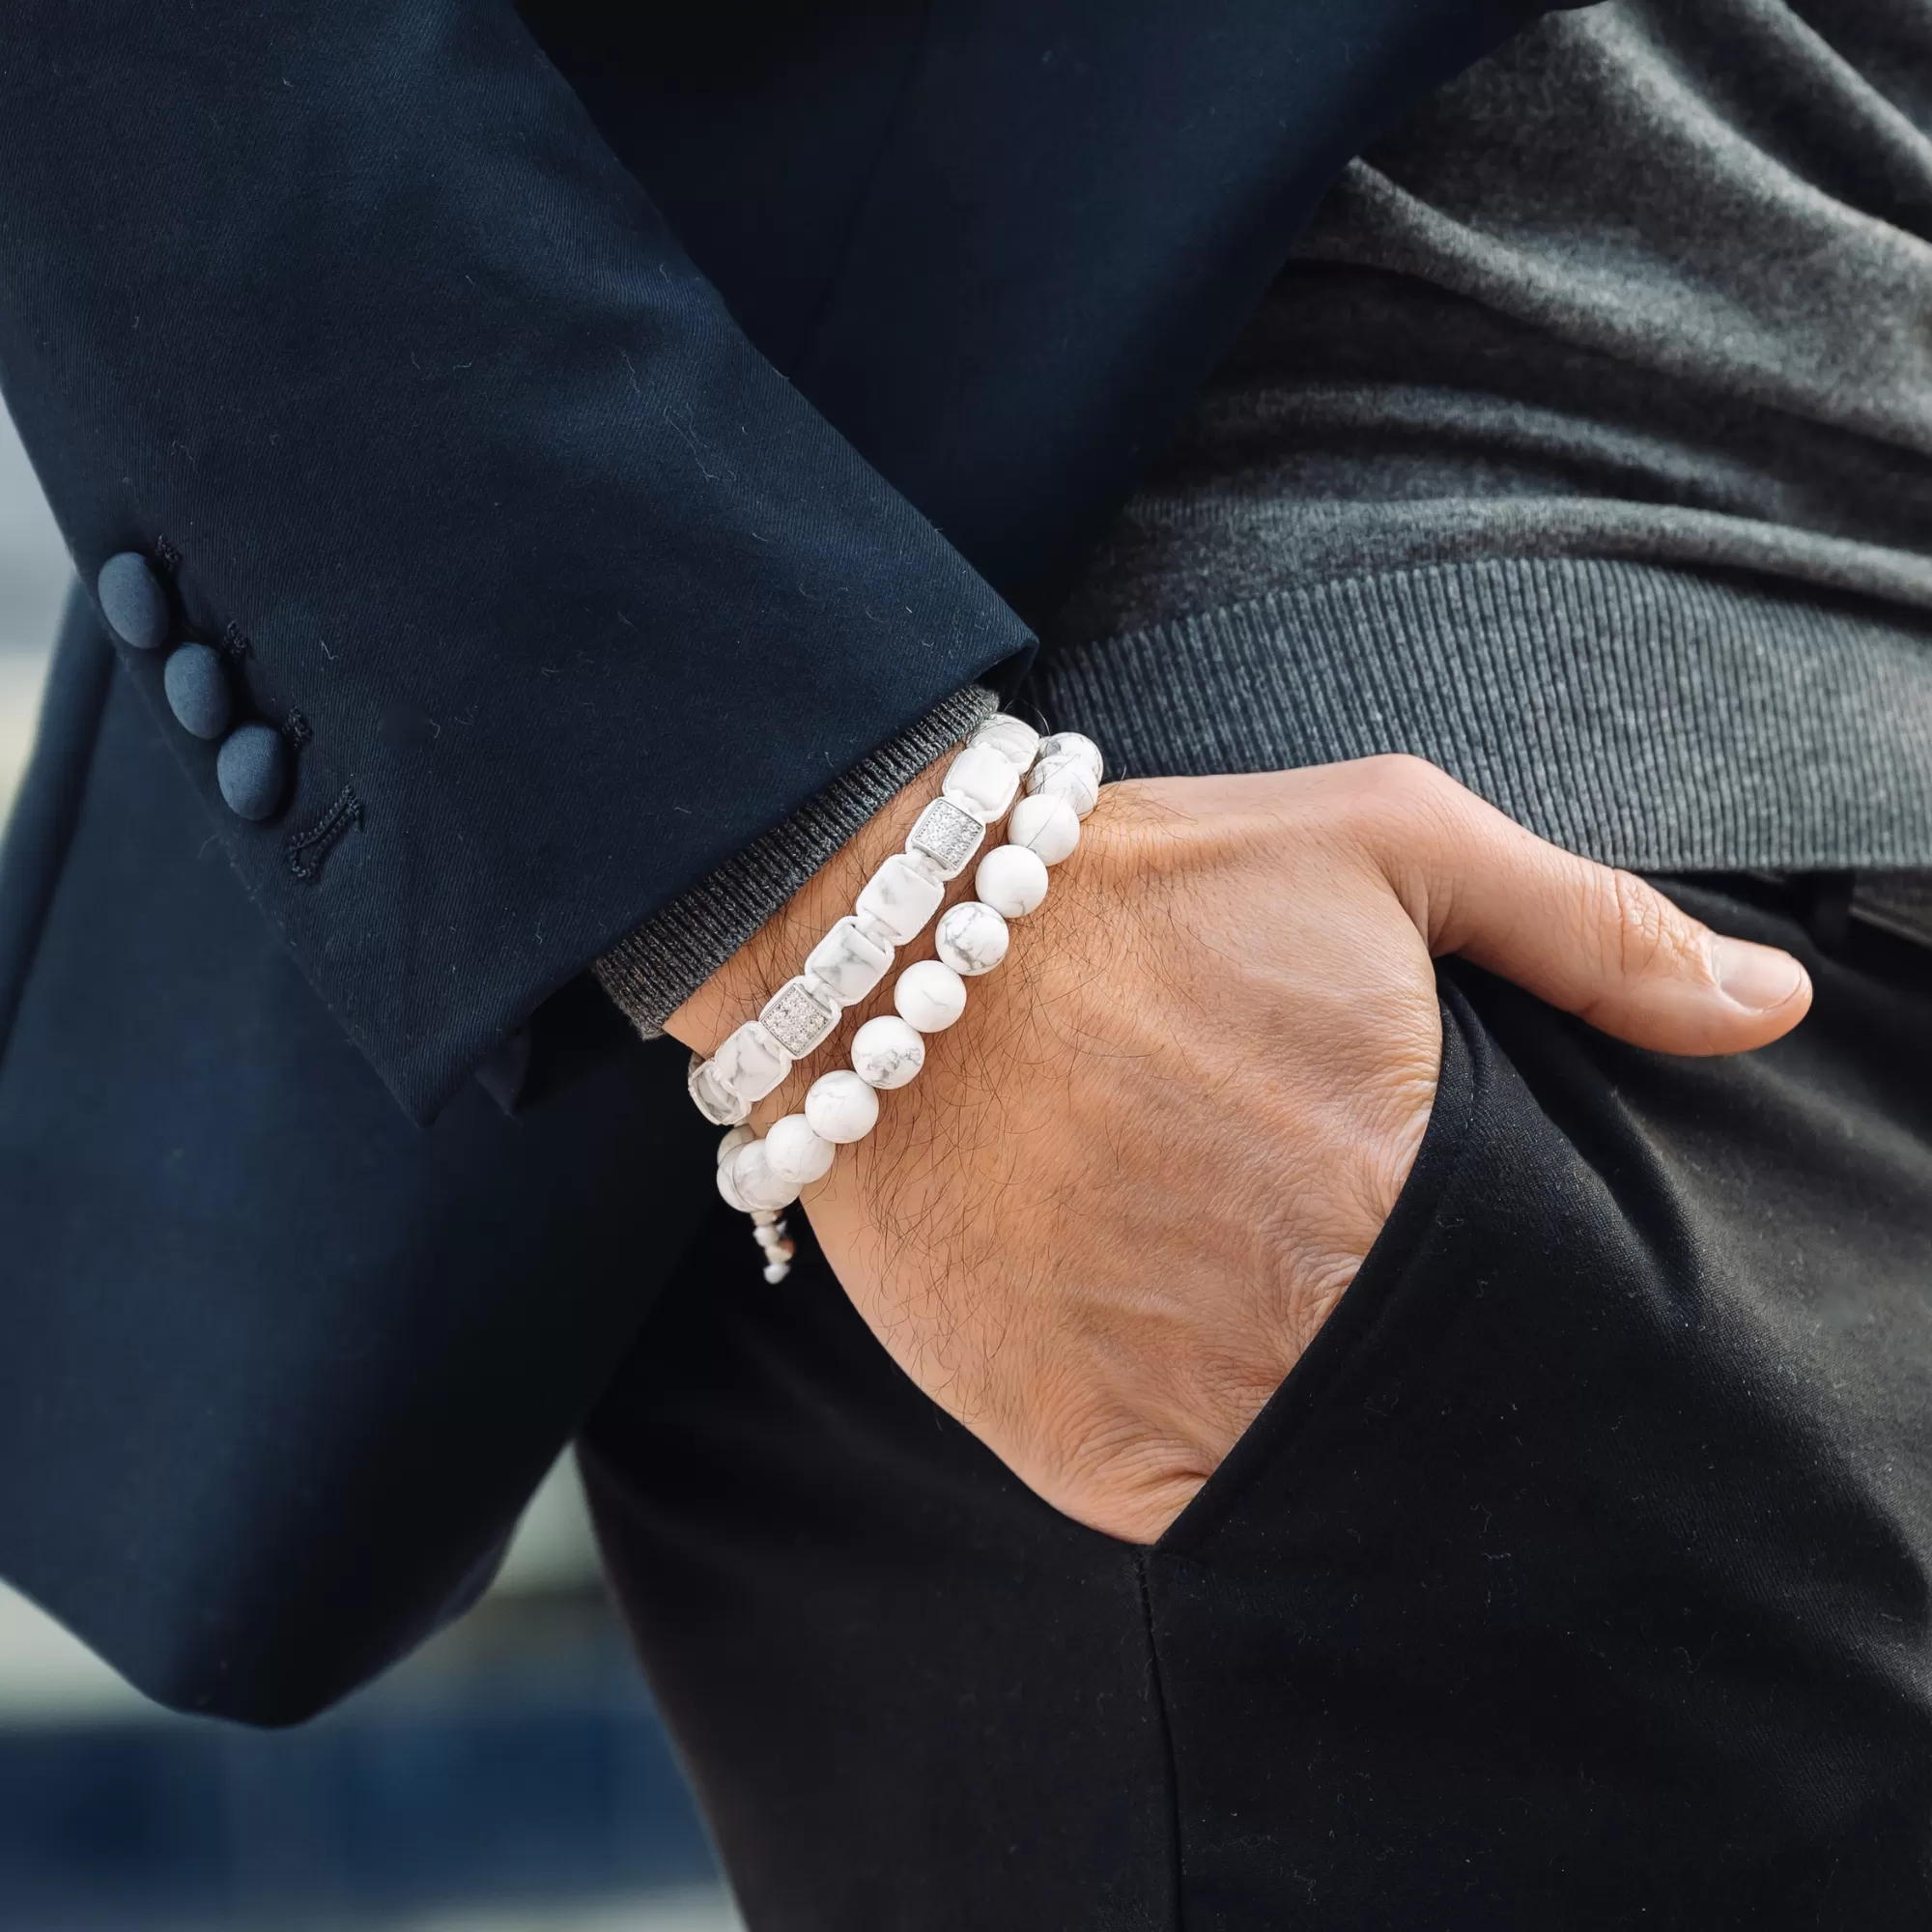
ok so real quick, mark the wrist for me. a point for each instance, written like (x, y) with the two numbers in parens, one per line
(907, 859)
(739, 987)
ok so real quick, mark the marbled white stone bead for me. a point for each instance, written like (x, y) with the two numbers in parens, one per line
(1014, 738)
(1074, 744)
(948, 834)
(847, 962)
(840, 1107)
(972, 937)
(758, 1185)
(929, 995)
(796, 1152)
(750, 1062)
(711, 1097)
(900, 897)
(982, 781)
(727, 1188)
(886, 1052)
(799, 1017)
(874, 930)
(1070, 778)
(1011, 880)
(1046, 823)
(733, 1142)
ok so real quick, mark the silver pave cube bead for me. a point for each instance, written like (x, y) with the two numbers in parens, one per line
(798, 1018)
(948, 834)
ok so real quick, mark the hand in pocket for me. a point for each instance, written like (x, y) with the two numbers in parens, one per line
(1124, 1193)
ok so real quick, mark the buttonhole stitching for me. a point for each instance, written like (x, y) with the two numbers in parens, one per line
(306, 850)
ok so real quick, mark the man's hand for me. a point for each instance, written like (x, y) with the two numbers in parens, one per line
(1132, 1181)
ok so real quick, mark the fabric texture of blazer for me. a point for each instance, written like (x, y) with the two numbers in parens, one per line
(577, 434)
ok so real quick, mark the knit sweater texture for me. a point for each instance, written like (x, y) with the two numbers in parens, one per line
(1584, 448)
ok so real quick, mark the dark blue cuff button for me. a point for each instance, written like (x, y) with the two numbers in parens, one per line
(132, 601)
(252, 768)
(197, 690)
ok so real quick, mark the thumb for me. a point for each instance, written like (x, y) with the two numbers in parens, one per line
(1598, 943)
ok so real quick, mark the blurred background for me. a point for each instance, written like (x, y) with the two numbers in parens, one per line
(511, 1776)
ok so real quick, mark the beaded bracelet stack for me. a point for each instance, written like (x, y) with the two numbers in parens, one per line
(762, 1176)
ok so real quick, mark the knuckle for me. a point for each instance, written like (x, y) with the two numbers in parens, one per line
(1640, 923)
(1399, 793)
(1403, 775)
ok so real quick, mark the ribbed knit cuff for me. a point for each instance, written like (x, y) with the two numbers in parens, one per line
(657, 968)
(1667, 720)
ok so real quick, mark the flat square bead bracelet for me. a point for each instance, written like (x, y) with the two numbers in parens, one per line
(762, 1176)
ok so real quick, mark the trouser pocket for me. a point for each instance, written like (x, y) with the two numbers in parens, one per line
(1549, 1589)
(1358, 1358)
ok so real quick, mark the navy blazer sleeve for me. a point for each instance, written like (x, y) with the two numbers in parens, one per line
(553, 591)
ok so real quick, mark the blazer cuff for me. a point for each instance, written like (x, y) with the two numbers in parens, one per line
(651, 972)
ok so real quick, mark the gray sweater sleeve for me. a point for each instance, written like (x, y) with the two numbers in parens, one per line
(653, 971)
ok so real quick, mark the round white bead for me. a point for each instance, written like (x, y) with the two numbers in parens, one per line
(728, 1188)
(1073, 744)
(1045, 823)
(1067, 776)
(757, 1184)
(1014, 738)
(840, 1107)
(886, 1052)
(796, 1154)
(971, 938)
(1011, 880)
(929, 995)
(982, 780)
(733, 1142)
(776, 1272)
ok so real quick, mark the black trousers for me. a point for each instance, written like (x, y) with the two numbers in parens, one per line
(1577, 1577)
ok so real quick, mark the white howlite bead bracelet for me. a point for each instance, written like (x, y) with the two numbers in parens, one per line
(929, 996)
(895, 906)
(762, 1176)
(886, 1052)
(1011, 880)
(841, 1107)
(972, 938)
